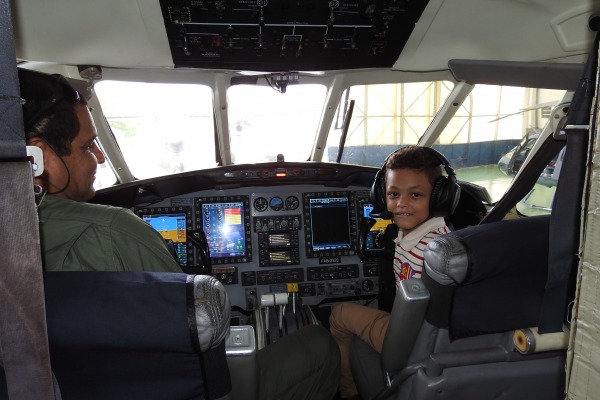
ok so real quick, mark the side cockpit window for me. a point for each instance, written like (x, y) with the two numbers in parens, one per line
(492, 134)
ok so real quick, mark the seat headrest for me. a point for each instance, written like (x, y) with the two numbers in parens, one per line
(212, 310)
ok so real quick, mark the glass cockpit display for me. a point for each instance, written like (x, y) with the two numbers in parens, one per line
(171, 227)
(173, 224)
(224, 228)
(331, 224)
(226, 224)
(374, 237)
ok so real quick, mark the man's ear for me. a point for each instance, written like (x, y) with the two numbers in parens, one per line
(37, 141)
(47, 149)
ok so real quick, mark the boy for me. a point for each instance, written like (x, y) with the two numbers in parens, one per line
(418, 195)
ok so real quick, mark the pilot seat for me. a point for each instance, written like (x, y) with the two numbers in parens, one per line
(137, 335)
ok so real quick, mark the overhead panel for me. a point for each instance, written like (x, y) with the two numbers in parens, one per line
(307, 35)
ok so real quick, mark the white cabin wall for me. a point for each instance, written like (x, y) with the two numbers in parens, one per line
(584, 349)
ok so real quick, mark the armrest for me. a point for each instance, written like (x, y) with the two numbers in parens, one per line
(408, 313)
(437, 362)
(240, 347)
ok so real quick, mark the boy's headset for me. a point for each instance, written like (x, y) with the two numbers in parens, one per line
(444, 195)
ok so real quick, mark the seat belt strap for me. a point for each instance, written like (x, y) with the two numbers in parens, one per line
(565, 222)
(24, 352)
(23, 337)
(523, 183)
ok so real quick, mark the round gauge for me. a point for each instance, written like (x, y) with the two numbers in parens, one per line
(291, 203)
(276, 203)
(260, 204)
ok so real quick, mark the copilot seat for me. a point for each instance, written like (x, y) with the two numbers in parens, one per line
(451, 332)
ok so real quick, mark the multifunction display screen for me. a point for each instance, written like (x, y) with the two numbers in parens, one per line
(226, 224)
(174, 225)
(223, 224)
(331, 222)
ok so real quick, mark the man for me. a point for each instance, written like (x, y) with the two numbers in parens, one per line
(79, 236)
(76, 235)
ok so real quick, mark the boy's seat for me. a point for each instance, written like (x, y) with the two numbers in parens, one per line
(137, 335)
(451, 333)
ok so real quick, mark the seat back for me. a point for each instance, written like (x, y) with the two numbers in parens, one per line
(127, 335)
(488, 278)
(479, 285)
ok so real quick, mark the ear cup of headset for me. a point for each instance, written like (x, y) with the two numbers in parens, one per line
(445, 195)
(377, 195)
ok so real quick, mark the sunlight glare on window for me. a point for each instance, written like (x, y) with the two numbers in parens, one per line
(160, 128)
(264, 123)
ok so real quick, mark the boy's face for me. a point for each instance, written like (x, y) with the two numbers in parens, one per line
(407, 193)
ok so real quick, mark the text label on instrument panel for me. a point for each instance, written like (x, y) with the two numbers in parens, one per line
(330, 260)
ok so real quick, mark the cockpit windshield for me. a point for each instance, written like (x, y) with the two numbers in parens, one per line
(264, 122)
(164, 129)
(160, 128)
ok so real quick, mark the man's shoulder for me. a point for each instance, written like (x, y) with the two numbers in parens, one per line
(56, 207)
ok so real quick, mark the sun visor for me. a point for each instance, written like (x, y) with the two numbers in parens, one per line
(512, 73)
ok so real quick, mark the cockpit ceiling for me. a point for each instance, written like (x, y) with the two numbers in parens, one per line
(504, 30)
(309, 35)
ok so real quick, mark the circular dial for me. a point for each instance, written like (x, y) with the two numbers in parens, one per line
(276, 203)
(291, 203)
(260, 204)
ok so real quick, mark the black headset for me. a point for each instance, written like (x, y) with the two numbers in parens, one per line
(444, 195)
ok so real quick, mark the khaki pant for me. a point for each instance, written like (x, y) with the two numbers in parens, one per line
(347, 320)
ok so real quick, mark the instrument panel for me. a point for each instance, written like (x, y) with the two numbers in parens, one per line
(262, 239)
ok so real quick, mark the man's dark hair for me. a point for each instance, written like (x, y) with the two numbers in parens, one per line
(49, 109)
(416, 157)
